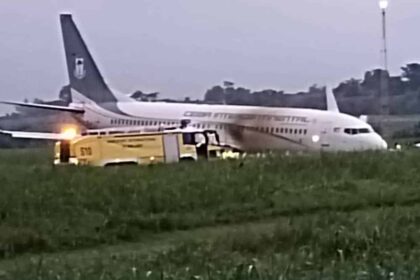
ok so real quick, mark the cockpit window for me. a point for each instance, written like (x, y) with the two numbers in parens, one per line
(350, 131)
(354, 131)
(364, 130)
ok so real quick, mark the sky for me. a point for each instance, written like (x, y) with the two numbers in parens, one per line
(183, 47)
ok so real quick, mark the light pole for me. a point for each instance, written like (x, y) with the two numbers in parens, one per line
(385, 96)
(383, 5)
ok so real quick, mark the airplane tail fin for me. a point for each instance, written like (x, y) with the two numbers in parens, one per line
(83, 72)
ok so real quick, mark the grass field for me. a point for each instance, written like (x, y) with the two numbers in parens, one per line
(345, 216)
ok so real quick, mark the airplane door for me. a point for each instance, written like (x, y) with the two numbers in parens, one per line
(171, 148)
(325, 139)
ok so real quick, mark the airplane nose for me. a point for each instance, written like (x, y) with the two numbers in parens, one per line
(384, 144)
(380, 143)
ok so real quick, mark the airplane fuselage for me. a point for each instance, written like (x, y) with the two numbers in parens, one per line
(246, 127)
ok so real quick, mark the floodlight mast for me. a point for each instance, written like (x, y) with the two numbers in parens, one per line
(385, 99)
(383, 5)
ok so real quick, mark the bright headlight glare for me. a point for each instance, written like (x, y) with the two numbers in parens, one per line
(315, 138)
(74, 161)
(69, 133)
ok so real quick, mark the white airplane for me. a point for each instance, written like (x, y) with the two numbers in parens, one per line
(247, 128)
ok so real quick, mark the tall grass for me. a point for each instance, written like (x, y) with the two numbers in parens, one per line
(365, 244)
(45, 208)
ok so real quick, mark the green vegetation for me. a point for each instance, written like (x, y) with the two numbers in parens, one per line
(344, 216)
(355, 96)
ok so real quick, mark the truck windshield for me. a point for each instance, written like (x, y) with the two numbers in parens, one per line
(200, 138)
(188, 139)
(213, 138)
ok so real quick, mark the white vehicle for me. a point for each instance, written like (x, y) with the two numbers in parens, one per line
(244, 127)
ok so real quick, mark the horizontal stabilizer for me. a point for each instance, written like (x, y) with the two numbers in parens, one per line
(35, 135)
(45, 107)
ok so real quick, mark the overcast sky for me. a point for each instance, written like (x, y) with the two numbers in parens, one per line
(182, 47)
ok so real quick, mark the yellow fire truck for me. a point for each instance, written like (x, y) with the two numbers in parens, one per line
(121, 148)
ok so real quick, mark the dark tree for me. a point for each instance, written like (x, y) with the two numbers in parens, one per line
(215, 95)
(411, 72)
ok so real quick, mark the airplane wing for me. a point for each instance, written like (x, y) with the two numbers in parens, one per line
(46, 107)
(331, 102)
(35, 135)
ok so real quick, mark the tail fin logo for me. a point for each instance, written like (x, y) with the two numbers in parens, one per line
(79, 68)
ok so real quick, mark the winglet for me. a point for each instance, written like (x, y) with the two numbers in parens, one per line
(364, 118)
(331, 101)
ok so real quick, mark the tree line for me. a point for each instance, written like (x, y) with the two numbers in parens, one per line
(355, 96)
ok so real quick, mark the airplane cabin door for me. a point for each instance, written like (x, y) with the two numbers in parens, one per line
(325, 139)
